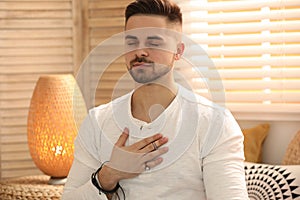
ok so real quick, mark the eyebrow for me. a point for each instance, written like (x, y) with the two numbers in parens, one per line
(154, 38)
(130, 37)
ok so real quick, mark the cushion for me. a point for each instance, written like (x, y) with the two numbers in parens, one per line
(270, 182)
(292, 154)
(253, 141)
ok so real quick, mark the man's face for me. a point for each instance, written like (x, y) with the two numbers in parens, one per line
(151, 46)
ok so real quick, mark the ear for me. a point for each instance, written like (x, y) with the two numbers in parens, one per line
(180, 50)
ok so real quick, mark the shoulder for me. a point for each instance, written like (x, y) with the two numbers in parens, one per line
(89, 134)
(97, 116)
(107, 108)
(203, 104)
(216, 123)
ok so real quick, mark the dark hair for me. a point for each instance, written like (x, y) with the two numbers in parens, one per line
(155, 7)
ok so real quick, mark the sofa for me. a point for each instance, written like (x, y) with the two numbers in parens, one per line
(268, 181)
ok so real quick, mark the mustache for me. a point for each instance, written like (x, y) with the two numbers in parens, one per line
(139, 60)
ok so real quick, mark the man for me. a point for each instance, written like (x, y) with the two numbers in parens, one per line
(160, 141)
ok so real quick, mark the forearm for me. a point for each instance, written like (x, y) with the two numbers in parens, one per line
(107, 178)
(86, 191)
(79, 185)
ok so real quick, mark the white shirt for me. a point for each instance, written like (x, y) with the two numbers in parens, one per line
(204, 161)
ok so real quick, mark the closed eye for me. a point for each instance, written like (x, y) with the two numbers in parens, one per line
(154, 43)
(131, 43)
(131, 40)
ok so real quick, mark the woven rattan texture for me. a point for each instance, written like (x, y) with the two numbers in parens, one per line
(56, 111)
(292, 155)
(29, 188)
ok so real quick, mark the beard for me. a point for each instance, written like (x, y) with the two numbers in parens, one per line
(148, 73)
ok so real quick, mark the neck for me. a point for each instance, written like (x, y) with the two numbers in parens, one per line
(150, 100)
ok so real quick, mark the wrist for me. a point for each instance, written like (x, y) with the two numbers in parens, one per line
(107, 178)
(97, 184)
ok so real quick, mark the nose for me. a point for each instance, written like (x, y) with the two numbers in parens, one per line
(142, 52)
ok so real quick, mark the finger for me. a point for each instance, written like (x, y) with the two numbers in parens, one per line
(154, 145)
(153, 163)
(123, 138)
(144, 142)
(154, 154)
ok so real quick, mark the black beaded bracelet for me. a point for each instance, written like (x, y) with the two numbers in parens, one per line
(96, 184)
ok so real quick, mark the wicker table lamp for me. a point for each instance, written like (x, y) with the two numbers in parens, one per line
(56, 110)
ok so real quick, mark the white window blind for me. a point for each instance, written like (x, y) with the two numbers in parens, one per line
(255, 47)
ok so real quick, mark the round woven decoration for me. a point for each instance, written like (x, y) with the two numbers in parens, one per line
(292, 154)
(29, 188)
(269, 182)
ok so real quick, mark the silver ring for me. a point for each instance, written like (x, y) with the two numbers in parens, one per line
(154, 146)
(147, 168)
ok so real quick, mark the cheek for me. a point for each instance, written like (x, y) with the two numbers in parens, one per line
(128, 57)
(163, 57)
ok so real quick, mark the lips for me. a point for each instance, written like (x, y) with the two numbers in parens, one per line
(141, 64)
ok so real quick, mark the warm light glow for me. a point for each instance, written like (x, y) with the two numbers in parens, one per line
(267, 91)
(200, 91)
(59, 151)
(266, 67)
(267, 102)
(56, 111)
(267, 79)
(255, 48)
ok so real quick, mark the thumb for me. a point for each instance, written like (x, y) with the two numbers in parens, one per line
(123, 138)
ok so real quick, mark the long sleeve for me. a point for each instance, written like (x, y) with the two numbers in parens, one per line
(79, 185)
(223, 167)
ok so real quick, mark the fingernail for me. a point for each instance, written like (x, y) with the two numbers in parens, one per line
(126, 130)
(166, 149)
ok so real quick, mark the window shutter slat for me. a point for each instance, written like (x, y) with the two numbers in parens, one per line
(36, 37)
(255, 48)
(216, 6)
(247, 39)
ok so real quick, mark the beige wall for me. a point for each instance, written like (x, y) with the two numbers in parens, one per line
(279, 136)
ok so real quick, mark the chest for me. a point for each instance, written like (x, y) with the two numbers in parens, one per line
(181, 178)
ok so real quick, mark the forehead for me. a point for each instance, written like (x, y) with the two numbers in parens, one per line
(142, 25)
(147, 26)
(143, 21)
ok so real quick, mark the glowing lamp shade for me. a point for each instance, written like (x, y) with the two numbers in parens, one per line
(56, 111)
